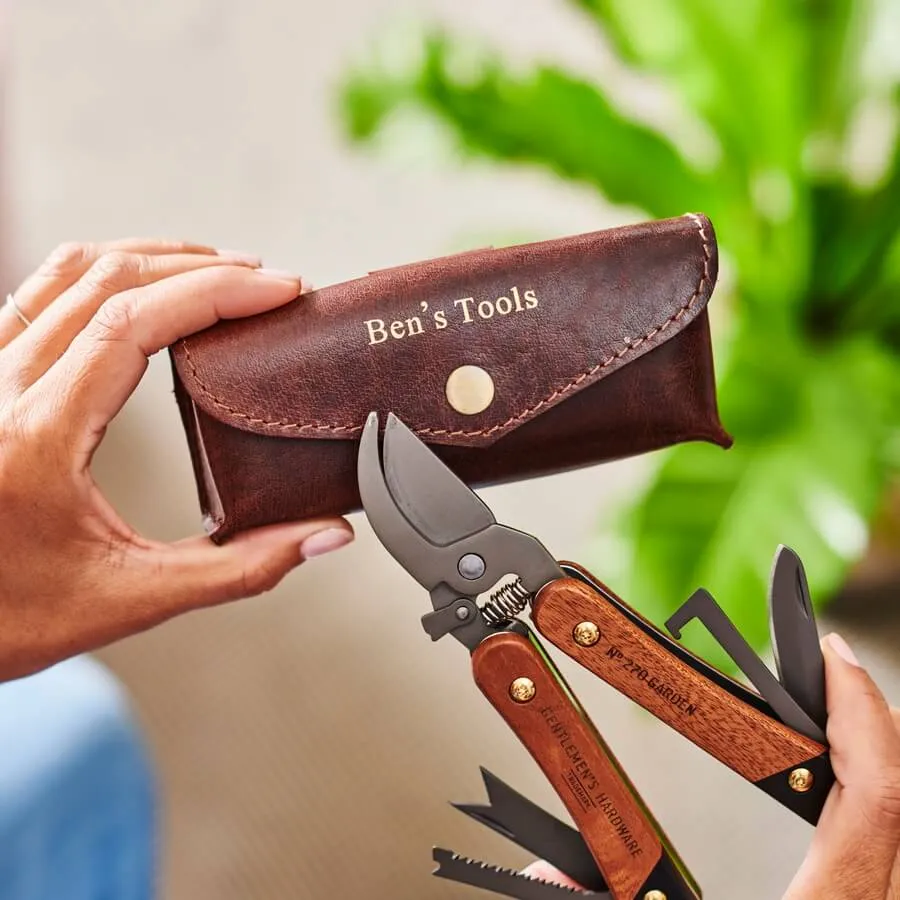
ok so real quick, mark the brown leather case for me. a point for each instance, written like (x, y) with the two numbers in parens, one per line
(591, 348)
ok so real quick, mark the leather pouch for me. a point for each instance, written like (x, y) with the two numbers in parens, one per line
(511, 363)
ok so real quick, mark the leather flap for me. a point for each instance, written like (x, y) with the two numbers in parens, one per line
(543, 320)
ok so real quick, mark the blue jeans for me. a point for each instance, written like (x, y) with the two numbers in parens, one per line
(77, 792)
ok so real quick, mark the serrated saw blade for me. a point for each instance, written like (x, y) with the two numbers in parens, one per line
(506, 882)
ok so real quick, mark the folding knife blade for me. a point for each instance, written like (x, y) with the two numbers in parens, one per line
(506, 882)
(795, 638)
(534, 829)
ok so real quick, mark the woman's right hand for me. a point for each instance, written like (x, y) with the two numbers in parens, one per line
(855, 850)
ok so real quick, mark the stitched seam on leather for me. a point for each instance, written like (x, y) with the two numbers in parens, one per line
(630, 345)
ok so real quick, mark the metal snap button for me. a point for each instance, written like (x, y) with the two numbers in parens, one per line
(470, 390)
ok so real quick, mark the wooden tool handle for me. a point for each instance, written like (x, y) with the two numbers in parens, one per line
(625, 656)
(515, 675)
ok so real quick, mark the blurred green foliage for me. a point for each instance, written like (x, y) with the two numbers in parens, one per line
(809, 361)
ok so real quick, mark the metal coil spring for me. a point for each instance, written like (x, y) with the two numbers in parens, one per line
(506, 603)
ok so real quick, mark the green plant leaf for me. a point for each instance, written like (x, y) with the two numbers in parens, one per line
(861, 227)
(740, 65)
(838, 32)
(812, 481)
(368, 101)
(545, 117)
(746, 70)
(876, 306)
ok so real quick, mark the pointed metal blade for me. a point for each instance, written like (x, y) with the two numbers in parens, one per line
(507, 882)
(795, 638)
(535, 830)
(388, 522)
(444, 509)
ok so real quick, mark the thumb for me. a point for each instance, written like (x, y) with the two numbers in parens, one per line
(199, 573)
(858, 836)
(543, 871)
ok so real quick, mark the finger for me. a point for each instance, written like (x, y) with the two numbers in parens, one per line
(865, 745)
(66, 264)
(254, 562)
(44, 342)
(545, 872)
(858, 835)
(166, 580)
(137, 584)
(106, 360)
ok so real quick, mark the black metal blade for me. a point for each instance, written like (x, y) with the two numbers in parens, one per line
(535, 830)
(431, 496)
(388, 522)
(795, 638)
(493, 550)
(507, 882)
(461, 568)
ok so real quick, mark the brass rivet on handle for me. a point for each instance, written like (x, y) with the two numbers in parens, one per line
(469, 390)
(801, 780)
(586, 634)
(654, 895)
(522, 690)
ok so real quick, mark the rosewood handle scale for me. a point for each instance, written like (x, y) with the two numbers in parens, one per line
(740, 736)
(625, 840)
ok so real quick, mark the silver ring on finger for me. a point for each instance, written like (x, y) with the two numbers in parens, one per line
(11, 301)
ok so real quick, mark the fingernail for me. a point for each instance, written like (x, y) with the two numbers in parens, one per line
(280, 275)
(246, 258)
(842, 648)
(326, 541)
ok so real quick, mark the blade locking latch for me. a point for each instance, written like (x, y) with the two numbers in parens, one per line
(458, 614)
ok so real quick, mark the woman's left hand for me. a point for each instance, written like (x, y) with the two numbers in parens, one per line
(73, 574)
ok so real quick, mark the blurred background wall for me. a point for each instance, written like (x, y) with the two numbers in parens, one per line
(310, 740)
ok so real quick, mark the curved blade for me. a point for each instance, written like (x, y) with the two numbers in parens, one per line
(795, 638)
(393, 529)
(445, 510)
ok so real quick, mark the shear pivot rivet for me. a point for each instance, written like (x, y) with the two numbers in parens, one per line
(522, 690)
(586, 634)
(462, 613)
(471, 566)
(801, 780)
(654, 895)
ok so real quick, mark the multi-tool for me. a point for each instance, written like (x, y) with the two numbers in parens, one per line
(482, 576)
